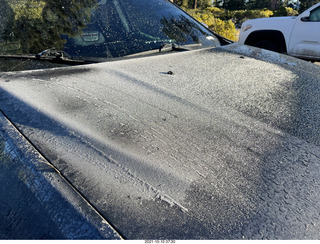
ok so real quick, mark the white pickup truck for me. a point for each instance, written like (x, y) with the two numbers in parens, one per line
(297, 36)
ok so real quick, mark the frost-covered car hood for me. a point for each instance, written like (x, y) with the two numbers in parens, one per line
(206, 144)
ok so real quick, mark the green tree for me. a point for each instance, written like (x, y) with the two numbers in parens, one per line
(305, 4)
(193, 4)
(258, 4)
(203, 4)
(40, 23)
(6, 24)
(6, 18)
(275, 4)
(234, 4)
(285, 11)
(182, 3)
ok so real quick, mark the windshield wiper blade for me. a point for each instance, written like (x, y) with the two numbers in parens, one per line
(171, 47)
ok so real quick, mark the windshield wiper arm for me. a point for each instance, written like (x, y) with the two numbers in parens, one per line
(52, 52)
(60, 56)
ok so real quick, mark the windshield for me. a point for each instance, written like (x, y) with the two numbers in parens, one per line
(86, 29)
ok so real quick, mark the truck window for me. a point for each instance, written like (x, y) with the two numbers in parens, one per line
(315, 15)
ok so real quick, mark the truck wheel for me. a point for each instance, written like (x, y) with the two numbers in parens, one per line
(267, 44)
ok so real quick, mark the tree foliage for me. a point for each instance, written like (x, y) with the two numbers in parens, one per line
(193, 4)
(285, 11)
(39, 23)
(6, 21)
(223, 15)
(305, 4)
(223, 28)
(234, 4)
(258, 4)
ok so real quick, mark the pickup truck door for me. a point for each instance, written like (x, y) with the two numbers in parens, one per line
(305, 37)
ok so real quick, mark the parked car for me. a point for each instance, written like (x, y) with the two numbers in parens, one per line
(295, 36)
(130, 119)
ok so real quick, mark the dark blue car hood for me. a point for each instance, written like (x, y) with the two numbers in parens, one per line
(210, 144)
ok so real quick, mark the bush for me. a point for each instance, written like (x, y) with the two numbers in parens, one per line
(242, 15)
(224, 22)
(215, 11)
(223, 28)
(286, 11)
(291, 12)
